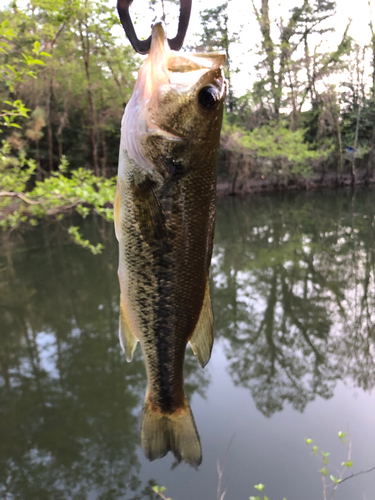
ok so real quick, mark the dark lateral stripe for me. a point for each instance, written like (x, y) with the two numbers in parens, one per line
(164, 329)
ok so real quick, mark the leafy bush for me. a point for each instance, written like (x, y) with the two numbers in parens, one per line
(52, 197)
(273, 150)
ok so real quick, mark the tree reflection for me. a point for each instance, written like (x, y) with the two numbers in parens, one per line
(294, 294)
(70, 405)
(294, 298)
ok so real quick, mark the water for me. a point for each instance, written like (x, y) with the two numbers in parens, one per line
(293, 282)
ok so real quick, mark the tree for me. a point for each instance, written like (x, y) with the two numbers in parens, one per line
(288, 62)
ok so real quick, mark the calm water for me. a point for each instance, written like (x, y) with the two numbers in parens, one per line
(293, 281)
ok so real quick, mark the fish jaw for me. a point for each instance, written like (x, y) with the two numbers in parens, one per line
(136, 123)
(164, 101)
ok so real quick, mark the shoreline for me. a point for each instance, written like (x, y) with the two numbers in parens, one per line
(224, 187)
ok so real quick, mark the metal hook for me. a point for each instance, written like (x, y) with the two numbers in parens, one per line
(143, 46)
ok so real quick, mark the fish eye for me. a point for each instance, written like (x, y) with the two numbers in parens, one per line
(208, 97)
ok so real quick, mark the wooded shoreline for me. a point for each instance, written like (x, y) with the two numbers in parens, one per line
(227, 187)
(67, 73)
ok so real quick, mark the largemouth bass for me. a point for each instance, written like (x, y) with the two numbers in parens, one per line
(164, 222)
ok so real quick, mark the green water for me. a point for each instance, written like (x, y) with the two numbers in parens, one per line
(293, 285)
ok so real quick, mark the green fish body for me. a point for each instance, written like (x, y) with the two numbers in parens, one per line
(164, 221)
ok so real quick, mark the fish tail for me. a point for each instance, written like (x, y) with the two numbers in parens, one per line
(176, 432)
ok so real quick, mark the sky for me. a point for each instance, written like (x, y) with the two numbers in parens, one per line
(242, 20)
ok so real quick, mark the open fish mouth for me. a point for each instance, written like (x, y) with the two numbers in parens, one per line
(166, 99)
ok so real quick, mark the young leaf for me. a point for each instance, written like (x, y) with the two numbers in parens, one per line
(36, 47)
(324, 471)
(259, 486)
(334, 479)
(342, 435)
(348, 464)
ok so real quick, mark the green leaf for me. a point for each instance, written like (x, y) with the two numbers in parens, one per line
(259, 486)
(36, 47)
(308, 440)
(324, 471)
(315, 449)
(349, 463)
(335, 479)
(342, 435)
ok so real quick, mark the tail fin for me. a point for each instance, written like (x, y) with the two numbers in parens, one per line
(175, 432)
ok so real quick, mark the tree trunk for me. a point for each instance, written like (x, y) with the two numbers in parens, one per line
(269, 47)
(341, 161)
(370, 163)
(355, 144)
(49, 122)
(91, 108)
(60, 131)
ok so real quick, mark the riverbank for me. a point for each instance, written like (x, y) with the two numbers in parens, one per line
(230, 184)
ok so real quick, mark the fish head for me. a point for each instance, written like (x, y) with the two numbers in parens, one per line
(177, 97)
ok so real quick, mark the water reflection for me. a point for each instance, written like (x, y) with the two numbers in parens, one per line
(69, 403)
(294, 298)
(294, 294)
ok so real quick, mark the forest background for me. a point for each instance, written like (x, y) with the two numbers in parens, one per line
(68, 71)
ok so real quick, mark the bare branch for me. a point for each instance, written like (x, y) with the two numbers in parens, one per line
(20, 196)
(357, 474)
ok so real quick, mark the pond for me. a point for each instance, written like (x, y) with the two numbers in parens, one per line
(293, 286)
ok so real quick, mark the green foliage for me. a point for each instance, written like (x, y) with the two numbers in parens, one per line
(259, 487)
(14, 67)
(335, 481)
(82, 76)
(159, 491)
(52, 197)
(276, 151)
(77, 237)
(324, 471)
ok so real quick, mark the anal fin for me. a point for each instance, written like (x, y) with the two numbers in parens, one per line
(202, 339)
(128, 341)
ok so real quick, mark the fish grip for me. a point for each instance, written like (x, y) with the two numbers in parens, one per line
(143, 46)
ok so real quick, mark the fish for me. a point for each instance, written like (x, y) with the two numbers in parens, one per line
(164, 215)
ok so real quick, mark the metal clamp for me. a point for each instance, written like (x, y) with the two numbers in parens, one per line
(143, 46)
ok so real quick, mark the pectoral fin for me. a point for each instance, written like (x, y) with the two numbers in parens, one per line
(128, 341)
(202, 339)
(150, 214)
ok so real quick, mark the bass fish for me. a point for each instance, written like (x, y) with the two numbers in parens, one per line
(164, 222)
